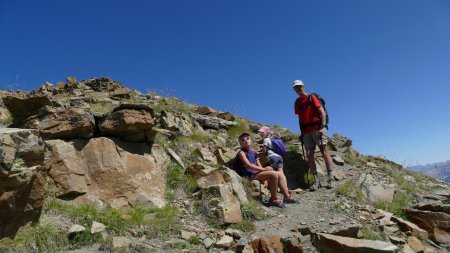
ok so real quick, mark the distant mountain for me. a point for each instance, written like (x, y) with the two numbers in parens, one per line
(438, 170)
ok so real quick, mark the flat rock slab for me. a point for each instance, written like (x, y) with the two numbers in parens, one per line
(327, 243)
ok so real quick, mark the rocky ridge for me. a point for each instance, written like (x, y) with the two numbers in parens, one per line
(152, 174)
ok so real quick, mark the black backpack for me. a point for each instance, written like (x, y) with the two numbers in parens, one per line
(322, 102)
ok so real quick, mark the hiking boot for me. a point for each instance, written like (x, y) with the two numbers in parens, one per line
(315, 186)
(331, 183)
(276, 202)
(291, 200)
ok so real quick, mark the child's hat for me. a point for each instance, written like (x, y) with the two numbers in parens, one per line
(264, 129)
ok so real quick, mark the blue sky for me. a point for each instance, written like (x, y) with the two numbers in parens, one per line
(383, 66)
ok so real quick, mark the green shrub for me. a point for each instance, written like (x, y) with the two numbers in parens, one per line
(292, 148)
(235, 131)
(164, 225)
(345, 189)
(176, 245)
(84, 238)
(400, 201)
(252, 211)
(112, 218)
(351, 190)
(102, 107)
(37, 239)
(245, 226)
(370, 233)
(177, 179)
(352, 158)
(195, 240)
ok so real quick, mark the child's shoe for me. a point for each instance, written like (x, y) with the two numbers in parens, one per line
(291, 200)
(276, 202)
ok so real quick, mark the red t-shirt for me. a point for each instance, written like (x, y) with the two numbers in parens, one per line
(307, 113)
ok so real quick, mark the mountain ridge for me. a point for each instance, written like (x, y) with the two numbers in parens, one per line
(440, 170)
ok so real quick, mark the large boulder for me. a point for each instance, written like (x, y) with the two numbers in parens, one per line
(130, 122)
(22, 107)
(271, 244)
(295, 169)
(102, 172)
(221, 202)
(60, 123)
(122, 179)
(436, 223)
(102, 84)
(5, 116)
(327, 243)
(67, 169)
(233, 179)
(340, 143)
(210, 122)
(375, 190)
(407, 226)
(176, 122)
(20, 146)
(21, 199)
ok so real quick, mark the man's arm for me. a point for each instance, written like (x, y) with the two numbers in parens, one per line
(323, 116)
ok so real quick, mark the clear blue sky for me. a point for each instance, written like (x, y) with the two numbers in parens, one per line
(383, 66)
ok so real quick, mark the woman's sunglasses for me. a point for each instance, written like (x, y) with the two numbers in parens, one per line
(245, 139)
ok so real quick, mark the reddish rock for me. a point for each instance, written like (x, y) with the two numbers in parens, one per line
(270, 244)
(205, 110)
(409, 226)
(130, 122)
(21, 200)
(429, 220)
(327, 243)
(60, 123)
(22, 107)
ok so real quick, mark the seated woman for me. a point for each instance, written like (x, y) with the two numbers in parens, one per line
(253, 169)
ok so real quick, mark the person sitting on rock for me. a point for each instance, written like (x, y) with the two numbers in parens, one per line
(248, 158)
(275, 160)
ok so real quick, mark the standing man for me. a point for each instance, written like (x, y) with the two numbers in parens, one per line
(312, 121)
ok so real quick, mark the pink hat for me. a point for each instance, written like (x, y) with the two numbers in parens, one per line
(264, 129)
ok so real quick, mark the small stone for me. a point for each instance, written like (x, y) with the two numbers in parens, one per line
(396, 240)
(186, 235)
(225, 242)
(415, 244)
(120, 242)
(378, 215)
(208, 242)
(97, 227)
(338, 160)
(76, 229)
(234, 233)
(202, 235)
(241, 244)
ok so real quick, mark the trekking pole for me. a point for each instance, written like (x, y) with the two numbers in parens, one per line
(306, 163)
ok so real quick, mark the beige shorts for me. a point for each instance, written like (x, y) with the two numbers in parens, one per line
(313, 139)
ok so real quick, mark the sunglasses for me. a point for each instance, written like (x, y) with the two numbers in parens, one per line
(245, 139)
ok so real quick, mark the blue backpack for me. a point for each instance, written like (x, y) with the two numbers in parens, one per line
(278, 146)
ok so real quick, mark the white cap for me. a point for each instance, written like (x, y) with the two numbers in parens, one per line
(297, 83)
